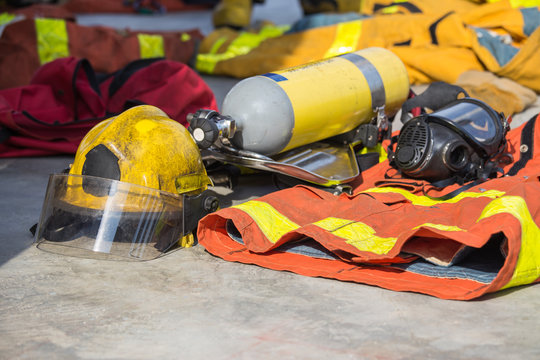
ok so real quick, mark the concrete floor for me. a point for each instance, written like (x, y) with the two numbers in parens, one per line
(191, 305)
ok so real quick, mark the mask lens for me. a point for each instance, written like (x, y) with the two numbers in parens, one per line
(473, 119)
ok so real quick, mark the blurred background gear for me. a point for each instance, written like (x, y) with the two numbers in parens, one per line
(233, 13)
(502, 94)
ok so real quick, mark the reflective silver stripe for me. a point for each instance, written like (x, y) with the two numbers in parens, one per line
(374, 80)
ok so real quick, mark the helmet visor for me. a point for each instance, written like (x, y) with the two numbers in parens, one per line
(95, 217)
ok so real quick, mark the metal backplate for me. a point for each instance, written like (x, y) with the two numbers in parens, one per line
(320, 163)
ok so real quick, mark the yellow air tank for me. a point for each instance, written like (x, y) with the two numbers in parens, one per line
(282, 110)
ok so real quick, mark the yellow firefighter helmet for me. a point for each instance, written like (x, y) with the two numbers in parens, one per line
(135, 189)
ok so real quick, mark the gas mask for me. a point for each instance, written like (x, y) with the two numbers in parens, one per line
(458, 141)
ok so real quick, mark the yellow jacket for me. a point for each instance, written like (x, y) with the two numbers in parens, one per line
(436, 40)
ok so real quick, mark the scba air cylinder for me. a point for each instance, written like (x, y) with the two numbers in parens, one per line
(285, 109)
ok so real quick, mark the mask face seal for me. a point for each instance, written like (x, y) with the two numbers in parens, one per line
(459, 140)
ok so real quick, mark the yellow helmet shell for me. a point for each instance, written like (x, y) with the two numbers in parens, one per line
(143, 146)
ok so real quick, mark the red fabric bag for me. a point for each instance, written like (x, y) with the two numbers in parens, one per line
(66, 98)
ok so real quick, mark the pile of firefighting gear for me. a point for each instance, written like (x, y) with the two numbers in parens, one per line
(451, 210)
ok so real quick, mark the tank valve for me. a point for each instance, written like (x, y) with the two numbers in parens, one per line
(207, 126)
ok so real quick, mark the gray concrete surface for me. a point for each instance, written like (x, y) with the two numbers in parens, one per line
(191, 305)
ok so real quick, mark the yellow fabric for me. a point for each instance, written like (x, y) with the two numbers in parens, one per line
(528, 265)
(426, 201)
(347, 35)
(52, 39)
(440, 227)
(272, 223)
(185, 37)
(357, 234)
(236, 13)
(523, 68)
(425, 6)
(438, 44)
(502, 94)
(6, 18)
(237, 45)
(383, 155)
(521, 3)
(151, 46)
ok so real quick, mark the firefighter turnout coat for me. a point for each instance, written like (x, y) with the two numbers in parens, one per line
(393, 235)
(437, 40)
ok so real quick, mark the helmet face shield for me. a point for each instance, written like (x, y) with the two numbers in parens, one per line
(123, 221)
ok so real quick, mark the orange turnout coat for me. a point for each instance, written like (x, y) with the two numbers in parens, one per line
(483, 240)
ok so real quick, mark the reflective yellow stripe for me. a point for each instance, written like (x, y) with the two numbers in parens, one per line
(383, 155)
(244, 43)
(346, 40)
(271, 222)
(520, 3)
(524, 3)
(425, 201)
(440, 227)
(150, 46)
(217, 45)
(6, 18)
(528, 264)
(52, 39)
(357, 234)
(185, 37)
(392, 9)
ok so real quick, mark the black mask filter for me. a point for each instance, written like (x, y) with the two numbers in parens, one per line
(457, 141)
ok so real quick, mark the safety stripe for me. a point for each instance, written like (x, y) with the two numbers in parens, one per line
(528, 264)
(272, 223)
(373, 78)
(185, 37)
(523, 3)
(520, 3)
(150, 46)
(440, 227)
(357, 234)
(52, 39)
(244, 43)
(346, 39)
(378, 148)
(426, 201)
(215, 46)
(6, 18)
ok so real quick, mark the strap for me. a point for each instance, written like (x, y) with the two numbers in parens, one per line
(436, 96)
(407, 184)
(83, 64)
(455, 192)
(123, 75)
(5, 133)
(527, 146)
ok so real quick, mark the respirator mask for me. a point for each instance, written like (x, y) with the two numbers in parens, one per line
(458, 142)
